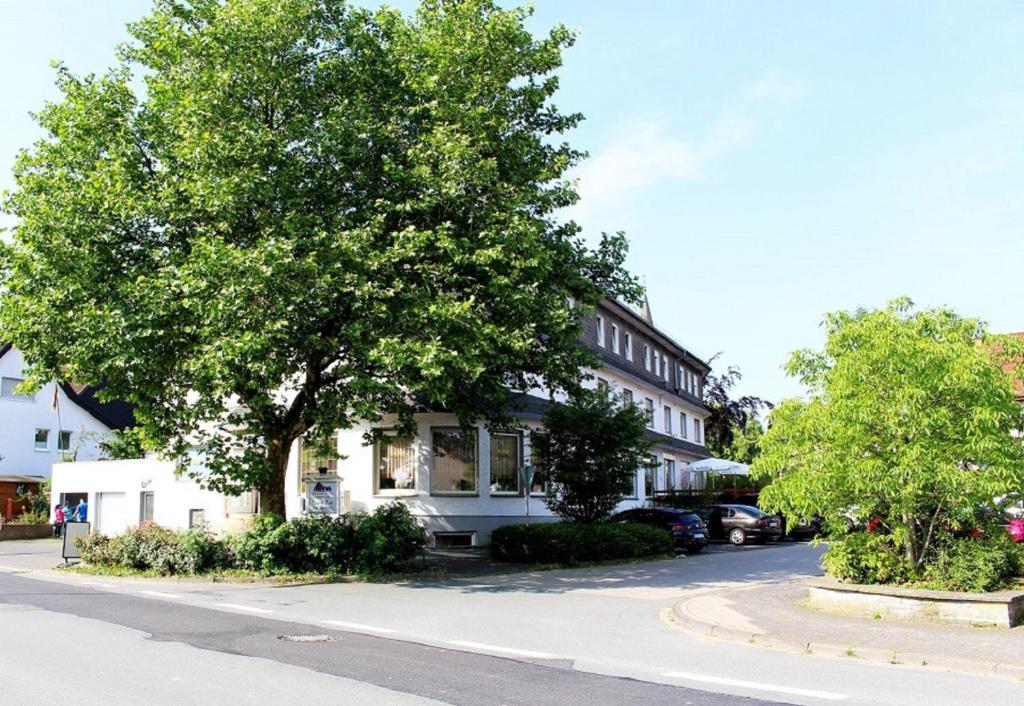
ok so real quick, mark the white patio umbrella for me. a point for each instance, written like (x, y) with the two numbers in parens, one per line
(721, 466)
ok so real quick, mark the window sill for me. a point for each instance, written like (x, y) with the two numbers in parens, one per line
(409, 493)
(42, 451)
(454, 494)
(506, 494)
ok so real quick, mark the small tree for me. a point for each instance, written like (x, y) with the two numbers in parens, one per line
(910, 422)
(590, 448)
(732, 426)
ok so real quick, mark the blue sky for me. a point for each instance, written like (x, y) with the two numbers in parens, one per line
(770, 161)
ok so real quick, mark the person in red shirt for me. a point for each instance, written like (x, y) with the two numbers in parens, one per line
(59, 518)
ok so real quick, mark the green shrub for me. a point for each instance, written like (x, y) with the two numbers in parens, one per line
(151, 547)
(257, 548)
(388, 540)
(32, 517)
(975, 565)
(95, 549)
(564, 543)
(867, 558)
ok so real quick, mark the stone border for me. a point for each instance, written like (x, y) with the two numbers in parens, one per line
(1004, 609)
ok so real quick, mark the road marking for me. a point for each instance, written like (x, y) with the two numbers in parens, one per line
(160, 594)
(506, 650)
(358, 626)
(248, 608)
(98, 584)
(722, 681)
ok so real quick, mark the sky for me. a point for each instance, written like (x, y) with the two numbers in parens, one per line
(770, 161)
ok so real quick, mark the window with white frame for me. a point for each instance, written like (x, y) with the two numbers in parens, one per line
(627, 397)
(313, 462)
(649, 487)
(42, 440)
(600, 332)
(7, 392)
(670, 474)
(668, 419)
(64, 441)
(647, 357)
(682, 424)
(615, 339)
(627, 341)
(454, 461)
(649, 410)
(696, 431)
(394, 463)
(602, 384)
(664, 368)
(506, 460)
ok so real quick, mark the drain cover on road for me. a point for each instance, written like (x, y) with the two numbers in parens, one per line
(306, 638)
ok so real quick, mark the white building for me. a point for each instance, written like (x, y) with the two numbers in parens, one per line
(460, 484)
(63, 421)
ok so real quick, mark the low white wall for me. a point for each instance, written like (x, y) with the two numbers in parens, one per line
(115, 490)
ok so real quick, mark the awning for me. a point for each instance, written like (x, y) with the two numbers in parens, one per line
(721, 466)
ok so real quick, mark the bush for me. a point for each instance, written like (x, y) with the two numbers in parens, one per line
(95, 549)
(384, 542)
(867, 558)
(388, 540)
(974, 565)
(564, 543)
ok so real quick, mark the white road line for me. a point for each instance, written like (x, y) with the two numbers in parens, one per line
(506, 650)
(358, 626)
(160, 594)
(248, 608)
(97, 584)
(722, 681)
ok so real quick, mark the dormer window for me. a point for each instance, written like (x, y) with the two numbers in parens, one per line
(615, 339)
(628, 346)
(600, 332)
(647, 357)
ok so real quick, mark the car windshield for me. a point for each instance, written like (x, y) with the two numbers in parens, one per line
(748, 510)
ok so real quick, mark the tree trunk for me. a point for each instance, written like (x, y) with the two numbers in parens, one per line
(913, 556)
(272, 491)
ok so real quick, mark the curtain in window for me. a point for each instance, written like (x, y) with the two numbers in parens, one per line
(505, 463)
(396, 464)
(454, 469)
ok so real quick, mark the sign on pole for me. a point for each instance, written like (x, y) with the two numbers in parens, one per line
(322, 497)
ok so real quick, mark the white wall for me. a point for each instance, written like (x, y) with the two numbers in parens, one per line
(20, 418)
(173, 496)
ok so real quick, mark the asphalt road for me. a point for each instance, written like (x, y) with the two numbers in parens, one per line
(589, 636)
(100, 647)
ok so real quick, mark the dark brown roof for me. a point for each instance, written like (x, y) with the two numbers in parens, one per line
(115, 414)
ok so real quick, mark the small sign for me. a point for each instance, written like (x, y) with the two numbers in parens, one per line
(72, 531)
(322, 496)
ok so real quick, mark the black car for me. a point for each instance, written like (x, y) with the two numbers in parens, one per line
(740, 523)
(688, 531)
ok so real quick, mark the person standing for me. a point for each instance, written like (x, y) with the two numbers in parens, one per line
(82, 510)
(59, 518)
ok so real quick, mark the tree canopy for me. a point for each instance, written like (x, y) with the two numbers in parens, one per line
(590, 450)
(732, 429)
(274, 217)
(910, 424)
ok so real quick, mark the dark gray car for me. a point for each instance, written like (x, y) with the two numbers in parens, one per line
(740, 523)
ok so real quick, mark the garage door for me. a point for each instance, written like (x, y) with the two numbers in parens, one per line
(112, 515)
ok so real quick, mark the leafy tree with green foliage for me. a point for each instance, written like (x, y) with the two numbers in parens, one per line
(910, 424)
(590, 449)
(313, 213)
(732, 426)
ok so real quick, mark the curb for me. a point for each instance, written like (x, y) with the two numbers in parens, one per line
(680, 618)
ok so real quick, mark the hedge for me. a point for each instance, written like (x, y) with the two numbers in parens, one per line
(568, 543)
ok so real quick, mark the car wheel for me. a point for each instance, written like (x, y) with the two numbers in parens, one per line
(737, 536)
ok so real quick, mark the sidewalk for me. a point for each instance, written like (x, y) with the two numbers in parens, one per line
(19, 555)
(773, 615)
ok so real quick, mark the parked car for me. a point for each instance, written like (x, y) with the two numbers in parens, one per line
(805, 529)
(688, 530)
(740, 523)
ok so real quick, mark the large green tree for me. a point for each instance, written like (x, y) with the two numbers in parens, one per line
(910, 423)
(275, 217)
(590, 449)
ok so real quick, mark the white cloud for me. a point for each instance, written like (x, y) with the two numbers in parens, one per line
(648, 151)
